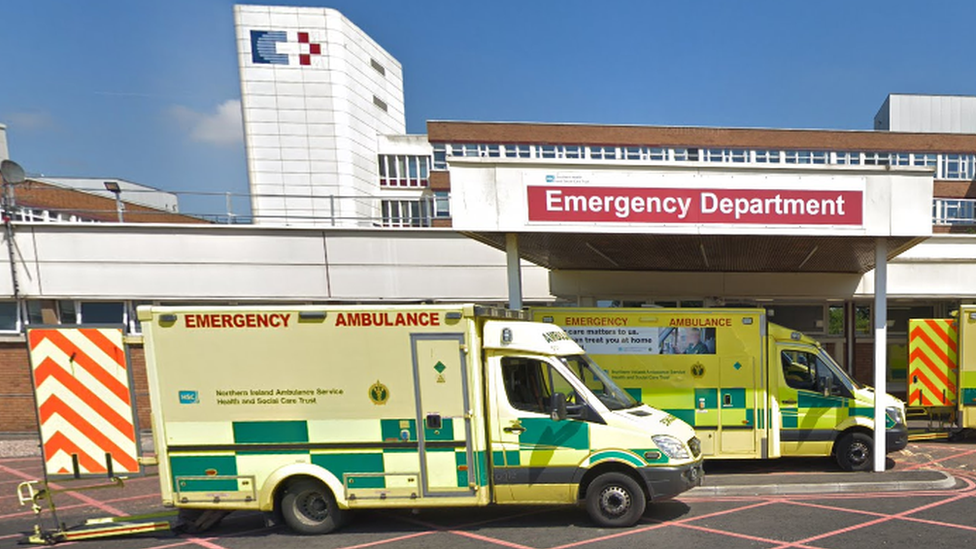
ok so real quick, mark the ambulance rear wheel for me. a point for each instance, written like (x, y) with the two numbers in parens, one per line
(854, 452)
(308, 507)
(615, 500)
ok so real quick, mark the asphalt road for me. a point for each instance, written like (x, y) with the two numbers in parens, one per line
(944, 518)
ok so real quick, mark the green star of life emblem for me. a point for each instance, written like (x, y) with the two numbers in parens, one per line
(440, 367)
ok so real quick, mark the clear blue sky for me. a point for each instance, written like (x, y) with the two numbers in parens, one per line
(134, 89)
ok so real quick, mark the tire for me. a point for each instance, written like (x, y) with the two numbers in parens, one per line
(309, 508)
(854, 452)
(615, 500)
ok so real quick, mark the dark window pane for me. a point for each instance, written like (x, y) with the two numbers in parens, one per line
(102, 312)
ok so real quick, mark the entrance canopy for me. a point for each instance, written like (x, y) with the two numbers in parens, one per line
(705, 253)
(581, 215)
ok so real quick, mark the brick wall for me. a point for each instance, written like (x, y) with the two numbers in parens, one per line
(33, 194)
(17, 413)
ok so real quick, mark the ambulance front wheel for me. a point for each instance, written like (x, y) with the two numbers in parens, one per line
(309, 507)
(615, 500)
(854, 451)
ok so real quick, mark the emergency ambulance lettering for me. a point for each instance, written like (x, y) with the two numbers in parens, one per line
(387, 319)
(240, 320)
(596, 321)
(700, 322)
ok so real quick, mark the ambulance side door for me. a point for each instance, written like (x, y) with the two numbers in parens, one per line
(534, 458)
(808, 416)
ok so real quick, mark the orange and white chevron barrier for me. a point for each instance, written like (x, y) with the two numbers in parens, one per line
(933, 362)
(82, 387)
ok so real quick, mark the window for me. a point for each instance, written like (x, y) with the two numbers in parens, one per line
(9, 319)
(403, 171)
(379, 103)
(877, 159)
(806, 157)
(632, 153)
(767, 157)
(598, 382)
(35, 312)
(848, 158)
(530, 383)
(67, 312)
(898, 317)
(405, 213)
(713, 155)
(657, 153)
(442, 204)
(929, 160)
(571, 151)
(440, 156)
(376, 65)
(102, 312)
(901, 159)
(802, 318)
(724, 155)
(835, 317)
(862, 320)
(603, 153)
(547, 151)
(518, 151)
(681, 155)
(957, 166)
(806, 371)
(948, 211)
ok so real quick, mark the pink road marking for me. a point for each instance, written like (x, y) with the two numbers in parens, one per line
(206, 543)
(664, 524)
(871, 513)
(478, 537)
(615, 536)
(953, 456)
(733, 534)
(372, 543)
(886, 518)
(77, 505)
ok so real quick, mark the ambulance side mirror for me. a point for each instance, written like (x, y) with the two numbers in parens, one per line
(558, 410)
(825, 385)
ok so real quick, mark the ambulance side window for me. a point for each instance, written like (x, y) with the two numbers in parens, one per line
(805, 371)
(529, 384)
(799, 369)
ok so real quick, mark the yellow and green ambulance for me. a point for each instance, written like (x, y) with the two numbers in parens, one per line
(750, 388)
(308, 412)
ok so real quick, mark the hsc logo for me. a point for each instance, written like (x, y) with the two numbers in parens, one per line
(281, 47)
(189, 397)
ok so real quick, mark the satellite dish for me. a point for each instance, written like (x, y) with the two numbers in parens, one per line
(11, 172)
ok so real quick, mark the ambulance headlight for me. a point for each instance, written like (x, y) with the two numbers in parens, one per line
(672, 447)
(896, 414)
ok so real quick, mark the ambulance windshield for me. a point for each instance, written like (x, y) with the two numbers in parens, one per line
(597, 381)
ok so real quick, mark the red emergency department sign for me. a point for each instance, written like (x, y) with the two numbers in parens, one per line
(84, 400)
(574, 204)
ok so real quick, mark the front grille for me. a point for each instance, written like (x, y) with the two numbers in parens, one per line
(695, 446)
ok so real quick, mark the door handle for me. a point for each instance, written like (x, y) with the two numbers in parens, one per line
(514, 428)
(789, 402)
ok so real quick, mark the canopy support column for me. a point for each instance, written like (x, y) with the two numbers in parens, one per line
(514, 268)
(880, 349)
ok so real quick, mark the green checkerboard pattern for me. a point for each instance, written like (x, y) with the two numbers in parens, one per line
(340, 462)
(707, 407)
